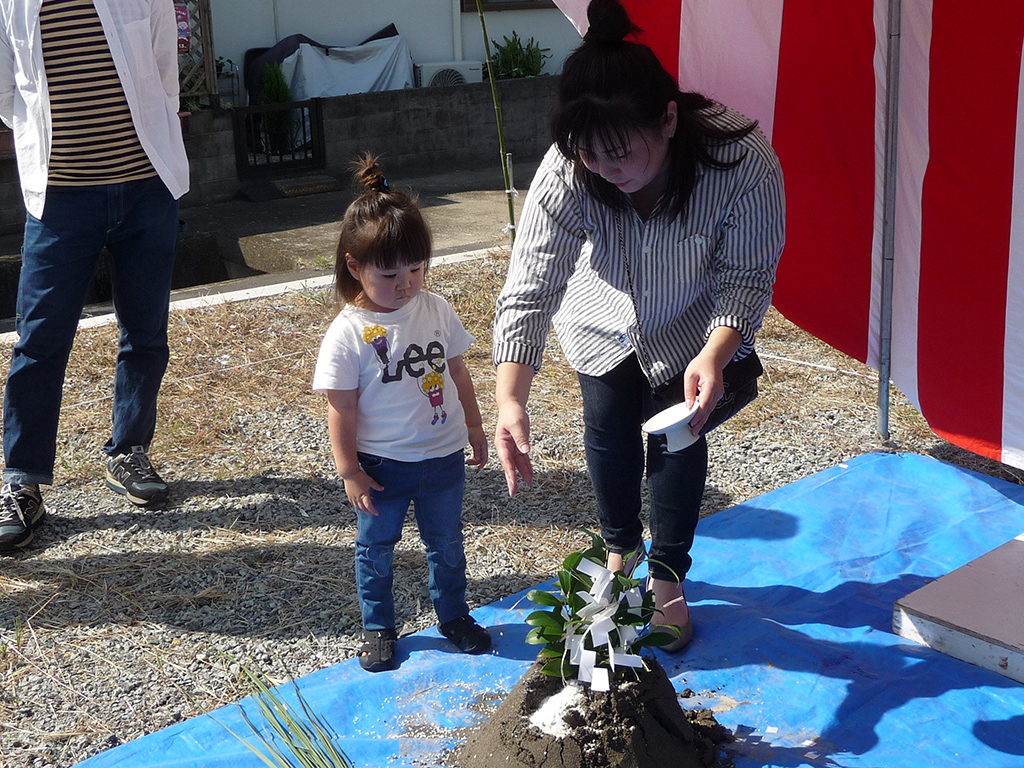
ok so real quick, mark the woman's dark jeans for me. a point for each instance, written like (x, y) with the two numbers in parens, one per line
(615, 406)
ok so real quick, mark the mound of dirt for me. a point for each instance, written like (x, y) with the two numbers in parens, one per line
(637, 724)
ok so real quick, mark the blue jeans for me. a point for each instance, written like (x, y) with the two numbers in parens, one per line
(137, 221)
(434, 487)
(615, 405)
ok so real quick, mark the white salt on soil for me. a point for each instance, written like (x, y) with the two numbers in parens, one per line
(549, 717)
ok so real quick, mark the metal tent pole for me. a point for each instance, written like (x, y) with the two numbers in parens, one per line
(889, 214)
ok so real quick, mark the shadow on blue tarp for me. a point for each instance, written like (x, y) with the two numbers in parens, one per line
(792, 596)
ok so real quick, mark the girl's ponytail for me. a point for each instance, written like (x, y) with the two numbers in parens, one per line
(370, 174)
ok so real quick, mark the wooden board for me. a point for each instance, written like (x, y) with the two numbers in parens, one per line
(307, 185)
(975, 613)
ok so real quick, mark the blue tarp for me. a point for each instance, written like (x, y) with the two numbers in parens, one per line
(792, 596)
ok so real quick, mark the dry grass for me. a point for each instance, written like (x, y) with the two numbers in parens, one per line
(226, 359)
(105, 616)
(257, 356)
(232, 358)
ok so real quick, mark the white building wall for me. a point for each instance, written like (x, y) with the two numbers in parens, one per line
(429, 26)
(549, 28)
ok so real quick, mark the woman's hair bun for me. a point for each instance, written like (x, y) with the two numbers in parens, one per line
(609, 22)
(370, 174)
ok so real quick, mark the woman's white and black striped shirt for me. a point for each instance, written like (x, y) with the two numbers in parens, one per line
(712, 268)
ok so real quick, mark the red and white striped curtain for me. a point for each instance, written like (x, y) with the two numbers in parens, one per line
(815, 75)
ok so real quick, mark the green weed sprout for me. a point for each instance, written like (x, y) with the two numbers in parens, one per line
(595, 629)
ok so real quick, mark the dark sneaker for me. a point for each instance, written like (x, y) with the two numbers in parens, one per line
(133, 475)
(377, 653)
(21, 512)
(467, 635)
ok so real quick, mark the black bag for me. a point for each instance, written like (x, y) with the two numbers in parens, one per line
(740, 379)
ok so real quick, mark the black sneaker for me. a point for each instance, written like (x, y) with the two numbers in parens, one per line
(21, 512)
(467, 635)
(133, 475)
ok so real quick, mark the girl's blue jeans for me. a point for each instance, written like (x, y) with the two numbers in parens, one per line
(434, 487)
(615, 405)
(137, 221)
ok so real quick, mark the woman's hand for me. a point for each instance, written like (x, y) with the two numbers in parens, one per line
(512, 443)
(703, 380)
(357, 488)
(512, 432)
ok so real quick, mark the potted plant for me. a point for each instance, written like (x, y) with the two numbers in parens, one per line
(596, 627)
(274, 90)
(514, 58)
(592, 698)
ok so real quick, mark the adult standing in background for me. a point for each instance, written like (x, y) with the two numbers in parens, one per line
(653, 228)
(90, 88)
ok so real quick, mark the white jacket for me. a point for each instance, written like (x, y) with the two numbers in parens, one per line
(142, 35)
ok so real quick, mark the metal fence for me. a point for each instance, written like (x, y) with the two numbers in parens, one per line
(275, 140)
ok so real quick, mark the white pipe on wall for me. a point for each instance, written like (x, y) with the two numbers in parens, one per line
(456, 30)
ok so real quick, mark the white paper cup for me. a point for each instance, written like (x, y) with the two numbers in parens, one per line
(674, 423)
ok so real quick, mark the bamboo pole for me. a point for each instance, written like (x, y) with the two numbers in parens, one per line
(506, 157)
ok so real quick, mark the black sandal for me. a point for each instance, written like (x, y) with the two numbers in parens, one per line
(377, 653)
(468, 636)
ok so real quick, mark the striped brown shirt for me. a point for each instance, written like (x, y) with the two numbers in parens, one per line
(94, 139)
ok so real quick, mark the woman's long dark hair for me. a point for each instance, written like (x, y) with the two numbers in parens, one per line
(612, 86)
(383, 227)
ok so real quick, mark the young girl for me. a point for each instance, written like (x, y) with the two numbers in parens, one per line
(401, 407)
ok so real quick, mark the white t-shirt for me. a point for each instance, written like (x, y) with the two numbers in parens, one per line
(409, 408)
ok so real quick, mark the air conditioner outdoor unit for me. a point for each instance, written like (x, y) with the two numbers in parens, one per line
(449, 73)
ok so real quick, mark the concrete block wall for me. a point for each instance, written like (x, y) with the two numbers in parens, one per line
(417, 130)
(426, 130)
(209, 143)
(210, 146)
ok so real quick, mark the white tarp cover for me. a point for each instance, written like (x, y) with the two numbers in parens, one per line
(379, 65)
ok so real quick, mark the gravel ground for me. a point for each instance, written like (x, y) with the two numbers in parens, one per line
(122, 621)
